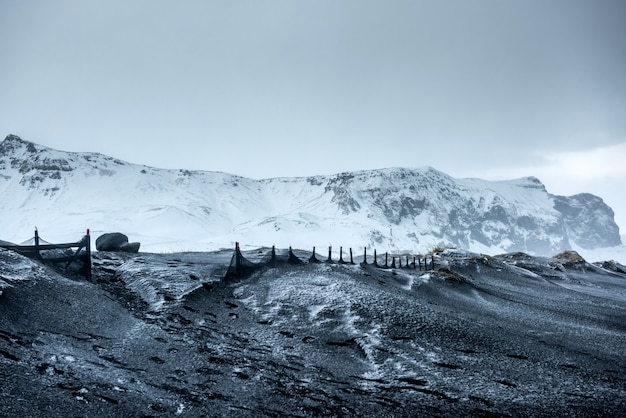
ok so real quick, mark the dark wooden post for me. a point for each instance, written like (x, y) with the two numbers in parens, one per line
(341, 255)
(375, 258)
(364, 255)
(329, 259)
(88, 255)
(414, 265)
(273, 256)
(237, 258)
(432, 258)
(37, 243)
(293, 259)
(351, 259)
(386, 256)
(313, 258)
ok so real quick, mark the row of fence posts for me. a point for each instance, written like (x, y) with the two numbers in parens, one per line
(416, 264)
(239, 264)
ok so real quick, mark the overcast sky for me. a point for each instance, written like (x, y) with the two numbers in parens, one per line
(496, 89)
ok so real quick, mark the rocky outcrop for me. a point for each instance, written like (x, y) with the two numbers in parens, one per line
(589, 221)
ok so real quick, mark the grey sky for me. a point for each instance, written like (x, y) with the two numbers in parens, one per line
(485, 88)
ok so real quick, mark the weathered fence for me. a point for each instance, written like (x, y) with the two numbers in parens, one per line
(81, 254)
(240, 265)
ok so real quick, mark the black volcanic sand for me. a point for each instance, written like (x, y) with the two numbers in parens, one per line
(165, 335)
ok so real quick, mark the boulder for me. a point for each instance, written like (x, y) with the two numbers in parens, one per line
(116, 241)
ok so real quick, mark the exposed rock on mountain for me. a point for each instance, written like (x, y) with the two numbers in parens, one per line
(390, 209)
(588, 219)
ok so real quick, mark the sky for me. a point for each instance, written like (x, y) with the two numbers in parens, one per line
(495, 89)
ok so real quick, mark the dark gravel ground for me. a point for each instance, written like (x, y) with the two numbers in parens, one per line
(166, 335)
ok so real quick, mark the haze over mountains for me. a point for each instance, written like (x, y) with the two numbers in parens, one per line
(395, 209)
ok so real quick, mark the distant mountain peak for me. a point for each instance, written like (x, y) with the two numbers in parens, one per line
(12, 143)
(13, 138)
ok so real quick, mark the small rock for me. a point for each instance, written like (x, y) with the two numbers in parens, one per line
(130, 247)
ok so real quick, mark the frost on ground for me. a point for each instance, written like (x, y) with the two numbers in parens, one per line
(166, 335)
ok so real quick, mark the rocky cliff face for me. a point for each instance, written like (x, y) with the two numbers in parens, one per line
(588, 220)
(390, 209)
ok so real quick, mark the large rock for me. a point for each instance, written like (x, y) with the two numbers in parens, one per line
(116, 241)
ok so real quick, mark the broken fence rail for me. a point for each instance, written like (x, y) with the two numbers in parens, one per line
(34, 251)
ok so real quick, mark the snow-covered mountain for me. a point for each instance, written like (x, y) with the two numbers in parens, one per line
(396, 209)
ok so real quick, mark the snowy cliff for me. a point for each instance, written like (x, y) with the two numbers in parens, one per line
(395, 209)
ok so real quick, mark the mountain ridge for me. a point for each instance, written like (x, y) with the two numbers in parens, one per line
(395, 209)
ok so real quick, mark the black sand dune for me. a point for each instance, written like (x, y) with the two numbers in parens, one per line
(165, 335)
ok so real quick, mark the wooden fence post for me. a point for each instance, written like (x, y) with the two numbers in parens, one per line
(273, 256)
(88, 255)
(38, 255)
(237, 259)
(313, 258)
